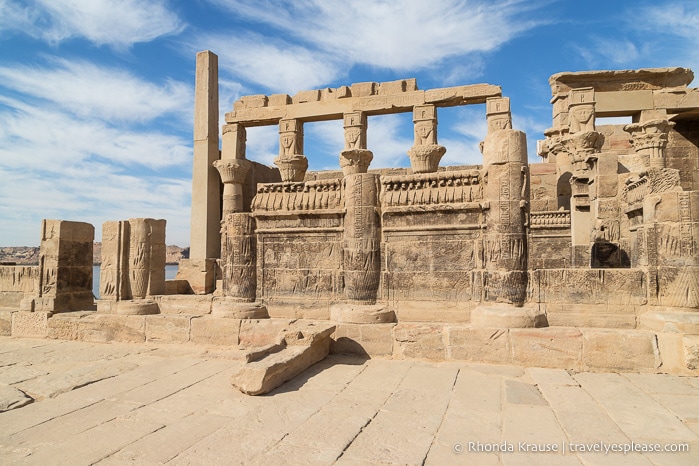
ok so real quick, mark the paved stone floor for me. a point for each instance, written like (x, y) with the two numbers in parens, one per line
(112, 404)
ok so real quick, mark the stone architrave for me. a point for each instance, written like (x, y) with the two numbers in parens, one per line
(291, 161)
(355, 157)
(425, 153)
(65, 267)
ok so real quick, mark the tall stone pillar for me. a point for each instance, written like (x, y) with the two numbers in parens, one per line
(361, 253)
(504, 240)
(291, 161)
(205, 242)
(583, 144)
(425, 153)
(355, 158)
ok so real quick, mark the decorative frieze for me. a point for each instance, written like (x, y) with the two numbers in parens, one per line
(431, 188)
(306, 196)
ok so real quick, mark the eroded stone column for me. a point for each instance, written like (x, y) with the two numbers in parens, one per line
(355, 158)
(504, 243)
(291, 161)
(133, 258)
(361, 253)
(425, 153)
(233, 173)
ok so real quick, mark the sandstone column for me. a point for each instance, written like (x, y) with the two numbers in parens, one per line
(291, 161)
(582, 143)
(133, 266)
(355, 158)
(649, 140)
(504, 240)
(361, 253)
(425, 153)
(205, 242)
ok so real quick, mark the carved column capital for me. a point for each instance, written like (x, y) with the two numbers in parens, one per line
(649, 139)
(425, 153)
(355, 158)
(497, 113)
(233, 173)
(291, 161)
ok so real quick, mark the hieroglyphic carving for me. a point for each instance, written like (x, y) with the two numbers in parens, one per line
(308, 196)
(686, 239)
(652, 181)
(362, 239)
(238, 256)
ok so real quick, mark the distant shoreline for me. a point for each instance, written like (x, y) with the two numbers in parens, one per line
(29, 255)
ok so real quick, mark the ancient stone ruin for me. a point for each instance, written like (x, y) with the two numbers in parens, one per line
(588, 260)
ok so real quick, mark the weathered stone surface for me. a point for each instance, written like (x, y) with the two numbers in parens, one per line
(12, 398)
(213, 331)
(168, 328)
(620, 350)
(30, 324)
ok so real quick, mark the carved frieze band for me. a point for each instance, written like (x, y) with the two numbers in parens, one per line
(303, 196)
(558, 218)
(431, 188)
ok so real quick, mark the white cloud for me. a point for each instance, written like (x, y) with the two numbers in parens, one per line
(116, 23)
(277, 65)
(262, 144)
(389, 137)
(606, 50)
(88, 90)
(396, 34)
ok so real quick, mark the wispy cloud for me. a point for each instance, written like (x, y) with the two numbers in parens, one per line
(276, 65)
(115, 23)
(400, 34)
(85, 89)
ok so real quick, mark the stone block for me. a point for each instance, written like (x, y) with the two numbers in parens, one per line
(168, 328)
(490, 345)
(427, 311)
(199, 273)
(624, 350)
(213, 331)
(177, 287)
(547, 347)
(194, 305)
(367, 340)
(670, 322)
(424, 341)
(691, 351)
(30, 324)
(6, 323)
(363, 89)
(104, 328)
(66, 326)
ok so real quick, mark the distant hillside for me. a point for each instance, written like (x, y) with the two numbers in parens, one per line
(26, 255)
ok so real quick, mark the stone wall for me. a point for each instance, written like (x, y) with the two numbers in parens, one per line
(16, 282)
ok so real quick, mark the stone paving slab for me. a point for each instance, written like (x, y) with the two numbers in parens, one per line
(167, 404)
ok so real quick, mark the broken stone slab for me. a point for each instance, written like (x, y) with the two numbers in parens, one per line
(11, 398)
(298, 347)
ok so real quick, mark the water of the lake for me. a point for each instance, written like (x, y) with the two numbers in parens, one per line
(170, 272)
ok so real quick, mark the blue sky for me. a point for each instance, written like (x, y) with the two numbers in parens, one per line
(96, 96)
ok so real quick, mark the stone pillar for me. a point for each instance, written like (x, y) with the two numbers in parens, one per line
(133, 266)
(583, 144)
(504, 242)
(204, 235)
(355, 158)
(425, 153)
(291, 161)
(239, 269)
(65, 268)
(361, 253)
(205, 240)
(649, 140)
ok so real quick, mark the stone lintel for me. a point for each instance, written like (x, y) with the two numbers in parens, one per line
(621, 80)
(375, 103)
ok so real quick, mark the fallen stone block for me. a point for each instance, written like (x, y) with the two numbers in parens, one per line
(298, 347)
